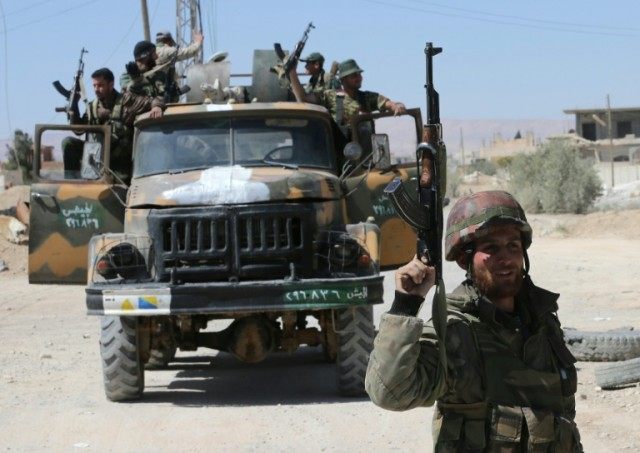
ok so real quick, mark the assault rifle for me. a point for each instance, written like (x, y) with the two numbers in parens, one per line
(288, 61)
(76, 92)
(425, 214)
(173, 91)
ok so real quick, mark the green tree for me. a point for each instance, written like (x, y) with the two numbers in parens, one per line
(554, 179)
(20, 154)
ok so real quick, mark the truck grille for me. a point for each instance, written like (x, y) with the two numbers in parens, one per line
(232, 243)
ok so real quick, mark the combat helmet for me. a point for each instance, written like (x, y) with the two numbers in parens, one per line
(471, 216)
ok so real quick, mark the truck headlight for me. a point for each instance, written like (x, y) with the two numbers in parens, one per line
(124, 256)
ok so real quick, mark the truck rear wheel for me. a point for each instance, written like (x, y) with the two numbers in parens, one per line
(355, 342)
(122, 368)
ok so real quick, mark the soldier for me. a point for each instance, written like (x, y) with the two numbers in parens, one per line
(119, 111)
(510, 380)
(144, 76)
(166, 47)
(320, 80)
(345, 103)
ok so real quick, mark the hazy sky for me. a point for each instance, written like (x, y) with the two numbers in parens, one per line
(502, 58)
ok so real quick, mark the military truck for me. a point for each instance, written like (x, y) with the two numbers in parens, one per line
(257, 216)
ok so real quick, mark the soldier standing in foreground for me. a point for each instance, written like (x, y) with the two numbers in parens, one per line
(345, 103)
(510, 381)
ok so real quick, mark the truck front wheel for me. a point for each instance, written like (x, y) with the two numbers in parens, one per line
(355, 341)
(122, 367)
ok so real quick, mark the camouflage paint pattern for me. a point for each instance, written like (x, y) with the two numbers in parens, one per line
(63, 219)
(233, 185)
(397, 239)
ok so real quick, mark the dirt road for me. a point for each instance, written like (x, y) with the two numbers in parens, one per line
(51, 396)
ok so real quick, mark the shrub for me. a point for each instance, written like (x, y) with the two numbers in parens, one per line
(483, 166)
(20, 155)
(554, 179)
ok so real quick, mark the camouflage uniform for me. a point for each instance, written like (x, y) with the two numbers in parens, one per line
(120, 114)
(343, 107)
(151, 83)
(166, 53)
(510, 380)
(322, 82)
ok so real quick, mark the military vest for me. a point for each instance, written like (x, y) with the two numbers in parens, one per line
(121, 136)
(525, 398)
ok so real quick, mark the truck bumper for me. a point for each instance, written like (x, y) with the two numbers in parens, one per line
(153, 299)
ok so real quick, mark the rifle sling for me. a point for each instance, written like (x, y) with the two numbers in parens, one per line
(439, 319)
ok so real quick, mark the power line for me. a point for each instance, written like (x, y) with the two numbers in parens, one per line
(6, 66)
(502, 22)
(133, 22)
(527, 19)
(59, 13)
(128, 32)
(26, 8)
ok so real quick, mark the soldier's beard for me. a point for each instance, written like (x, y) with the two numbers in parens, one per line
(497, 288)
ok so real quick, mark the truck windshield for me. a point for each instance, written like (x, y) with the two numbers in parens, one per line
(195, 144)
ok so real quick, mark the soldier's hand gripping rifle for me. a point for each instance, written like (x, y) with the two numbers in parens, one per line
(76, 92)
(425, 213)
(289, 60)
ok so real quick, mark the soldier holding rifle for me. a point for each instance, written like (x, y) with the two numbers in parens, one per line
(492, 358)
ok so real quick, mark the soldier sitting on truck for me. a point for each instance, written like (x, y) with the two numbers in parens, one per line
(166, 48)
(144, 76)
(319, 80)
(350, 100)
(116, 109)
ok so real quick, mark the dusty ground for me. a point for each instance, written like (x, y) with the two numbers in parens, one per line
(51, 384)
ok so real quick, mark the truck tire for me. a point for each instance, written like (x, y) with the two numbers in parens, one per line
(609, 346)
(160, 357)
(617, 374)
(122, 368)
(355, 342)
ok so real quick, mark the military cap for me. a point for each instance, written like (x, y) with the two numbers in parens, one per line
(314, 56)
(348, 67)
(143, 49)
(164, 34)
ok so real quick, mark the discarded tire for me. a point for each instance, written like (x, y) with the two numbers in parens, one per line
(609, 346)
(618, 374)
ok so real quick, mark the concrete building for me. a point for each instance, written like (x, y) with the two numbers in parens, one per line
(624, 121)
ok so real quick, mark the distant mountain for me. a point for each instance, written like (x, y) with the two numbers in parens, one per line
(474, 132)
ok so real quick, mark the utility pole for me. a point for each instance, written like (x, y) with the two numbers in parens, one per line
(464, 169)
(145, 20)
(610, 139)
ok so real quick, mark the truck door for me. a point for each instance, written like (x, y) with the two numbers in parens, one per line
(71, 200)
(388, 151)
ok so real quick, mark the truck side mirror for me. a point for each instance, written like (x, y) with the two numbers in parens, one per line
(91, 158)
(352, 151)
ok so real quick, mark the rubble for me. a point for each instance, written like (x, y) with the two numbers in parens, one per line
(13, 230)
